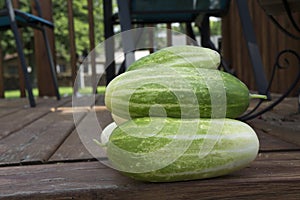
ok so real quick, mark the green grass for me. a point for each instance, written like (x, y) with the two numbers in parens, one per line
(64, 91)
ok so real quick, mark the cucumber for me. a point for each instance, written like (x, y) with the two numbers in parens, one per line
(170, 149)
(179, 93)
(107, 131)
(118, 120)
(180, 56)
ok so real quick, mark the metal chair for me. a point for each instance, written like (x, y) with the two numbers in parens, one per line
(150, 11)
(143, 12)
(11, 18)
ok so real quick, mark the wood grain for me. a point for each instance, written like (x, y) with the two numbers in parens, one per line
(44, 79)
(270, 41)
(271, 143)
(285, 133)
(264, 178)
(24, 116)
(73, 148)
(39, 140)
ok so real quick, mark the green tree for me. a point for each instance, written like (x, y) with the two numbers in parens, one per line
(7, 41)
(81, 26)
(215, 27)
(61, 31)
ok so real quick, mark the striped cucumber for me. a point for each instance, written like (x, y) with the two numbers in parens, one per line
(180, 56)
(171, 149)
(180, 92)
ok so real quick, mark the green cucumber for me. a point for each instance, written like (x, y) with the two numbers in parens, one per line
(171, 149)
(180, 92)
(180, 56)
(118, 120)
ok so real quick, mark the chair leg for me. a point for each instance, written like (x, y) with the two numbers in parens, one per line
(23, 62)
(205, 34)
(204, 30)
(52, 66)
(253, 50)
(190, 33)
(127, 37)
(19, 45)
(110, 65)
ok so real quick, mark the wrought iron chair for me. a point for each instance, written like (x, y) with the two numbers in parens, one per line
(143, 12)
(11, 18)
(150, 11)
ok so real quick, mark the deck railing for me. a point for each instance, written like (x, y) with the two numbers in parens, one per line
(270, 42)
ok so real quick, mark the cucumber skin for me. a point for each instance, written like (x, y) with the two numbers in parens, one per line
(180, 56)
(119, 92)
(237, 147)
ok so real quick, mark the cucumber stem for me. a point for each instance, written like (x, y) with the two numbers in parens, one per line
(258, 96)
(99, 143)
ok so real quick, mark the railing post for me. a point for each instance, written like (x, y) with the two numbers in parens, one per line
(43, 67)
(92, 44)
(72, 41)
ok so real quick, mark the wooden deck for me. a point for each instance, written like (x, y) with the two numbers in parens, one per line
(42, 157)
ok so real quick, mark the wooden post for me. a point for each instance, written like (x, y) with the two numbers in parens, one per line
(16, 4)
(92, 44)
(72, 41)
(43, 66)
(151, 38)
(169, 34)
(1, 76)
(270, 41)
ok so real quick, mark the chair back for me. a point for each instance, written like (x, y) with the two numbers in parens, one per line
(179, 10)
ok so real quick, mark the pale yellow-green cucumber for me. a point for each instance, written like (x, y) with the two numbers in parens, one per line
(170, 149)
(181, 92)
(179, 56)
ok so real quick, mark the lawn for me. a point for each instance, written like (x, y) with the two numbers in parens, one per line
(64, 91)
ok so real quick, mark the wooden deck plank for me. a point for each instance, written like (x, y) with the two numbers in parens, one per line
(73, 148)
(271, 143)
(264, 178)
(284, 155)
(40, 139)
(17, 120)
(288, 132)
(281, 123)
(103, 115)
(8, 106)
(15, 102)
(7, 111)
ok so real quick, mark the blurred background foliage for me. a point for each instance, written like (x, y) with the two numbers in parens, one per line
(61, 31)
(81, 26)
